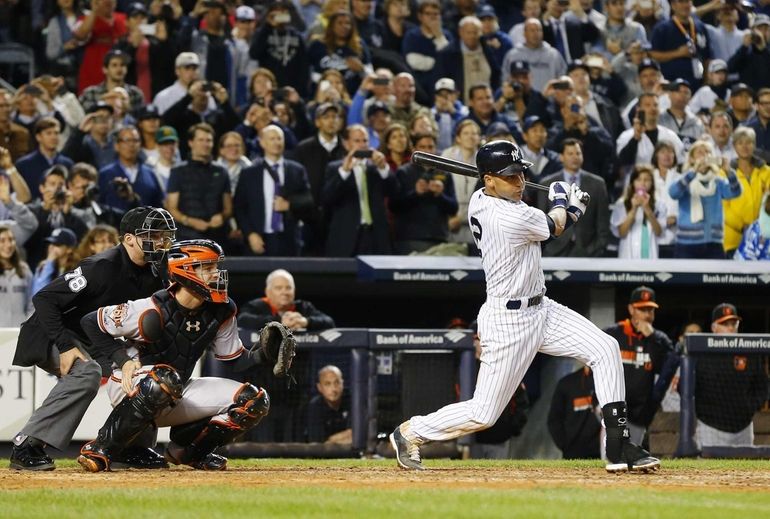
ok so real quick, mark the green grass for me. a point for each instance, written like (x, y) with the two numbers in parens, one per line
(255, 496)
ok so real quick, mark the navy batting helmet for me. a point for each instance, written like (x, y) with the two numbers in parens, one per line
(500, 158)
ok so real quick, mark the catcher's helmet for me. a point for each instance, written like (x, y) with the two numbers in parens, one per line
(154, 227)
(500, 158)
(189, 264)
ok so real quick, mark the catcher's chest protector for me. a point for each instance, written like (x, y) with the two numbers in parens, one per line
(185, 335)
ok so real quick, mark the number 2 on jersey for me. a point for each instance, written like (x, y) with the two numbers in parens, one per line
(476, 231)
(77, 281)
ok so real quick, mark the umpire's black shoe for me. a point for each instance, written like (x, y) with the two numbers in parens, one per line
(137, 457)
(28, 457)
(634, 459)
(407, 452)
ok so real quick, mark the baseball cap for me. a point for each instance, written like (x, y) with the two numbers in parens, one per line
(497, 129)
(574, 65)
(115, 53)
(185, 59)
(147, 112)
(62, 236)
(277, 4)
(531, 121)
(673, 86)
(377, 106)
(244, 12)
(214, 3)
(643, 297)
(134, 219)
(166, 134)
(136, 8)
(740, 88)
(101, 105)
(325, 107)
(486, 11)
(594, 62)
(717, 65)
(724, 312)
(760, 19)
(648, 63)
(445, 83)
(519, 67)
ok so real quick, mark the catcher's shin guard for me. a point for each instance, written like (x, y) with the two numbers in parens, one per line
(131, 417)
(250, 405)
(622, 455)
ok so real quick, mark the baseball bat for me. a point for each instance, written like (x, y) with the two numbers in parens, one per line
(430, 160)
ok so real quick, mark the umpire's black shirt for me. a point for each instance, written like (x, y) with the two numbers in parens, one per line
(107, 278)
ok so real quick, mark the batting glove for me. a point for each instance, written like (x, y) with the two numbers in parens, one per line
(578, 201)
(558, 193)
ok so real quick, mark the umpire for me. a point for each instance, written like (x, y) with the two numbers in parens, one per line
(53, 339)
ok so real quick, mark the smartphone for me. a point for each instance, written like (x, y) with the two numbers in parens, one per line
(641, 192)
(33, 90)
(574, 108)
(208, 86)
(323, 85)
(282, 18)
(363, 154)
(148, 29)
(640, 116)
(561, 85)
(381, 81)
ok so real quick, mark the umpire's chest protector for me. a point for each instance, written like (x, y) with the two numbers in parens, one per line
(185, 334)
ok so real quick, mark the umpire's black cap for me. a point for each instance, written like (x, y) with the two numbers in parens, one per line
(134, 219)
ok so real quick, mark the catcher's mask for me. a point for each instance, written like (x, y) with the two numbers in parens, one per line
(155, 229)
(194, 264)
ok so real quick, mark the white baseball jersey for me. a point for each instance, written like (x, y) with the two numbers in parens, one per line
(509, 236)
(124, 321)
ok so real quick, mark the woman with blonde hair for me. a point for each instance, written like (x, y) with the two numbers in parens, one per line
(637, 217)
(15, 282)
(754, 176)
(700, 192)
(396, 146)
(467, 142)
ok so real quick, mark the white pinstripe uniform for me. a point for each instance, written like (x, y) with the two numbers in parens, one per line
(509, 234)
(201, 397)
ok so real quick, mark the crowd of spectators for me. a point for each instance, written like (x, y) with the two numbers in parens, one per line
(284, 128)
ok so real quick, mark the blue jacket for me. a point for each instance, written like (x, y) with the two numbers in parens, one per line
(33, 165)
(711, 228)
(146, 186)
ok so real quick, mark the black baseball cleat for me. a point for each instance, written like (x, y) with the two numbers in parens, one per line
(179, 455)
(407, 452)
(634, 459)
(93, 458)
(137, 457)
(28, 457)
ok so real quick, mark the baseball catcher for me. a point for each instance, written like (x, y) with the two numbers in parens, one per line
(518, 320)
(164, 336)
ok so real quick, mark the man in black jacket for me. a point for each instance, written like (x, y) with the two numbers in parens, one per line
(279, 305)
(644, 351)
(423, 203)
(53, 338)
(573, 419)
(729, 389)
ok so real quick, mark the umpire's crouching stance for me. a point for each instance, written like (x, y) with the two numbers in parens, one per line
(53, 339)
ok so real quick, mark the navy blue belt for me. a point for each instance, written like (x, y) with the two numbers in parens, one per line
(515, 304)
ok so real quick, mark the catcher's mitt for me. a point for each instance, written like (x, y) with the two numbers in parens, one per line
(279, 346)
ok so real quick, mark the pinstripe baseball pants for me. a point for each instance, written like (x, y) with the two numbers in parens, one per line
(509, 341)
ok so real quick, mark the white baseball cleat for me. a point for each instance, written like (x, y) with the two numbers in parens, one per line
(407, 452)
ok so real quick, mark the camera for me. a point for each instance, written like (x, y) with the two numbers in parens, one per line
(167, 12)
(92, 192)
(60, 196)
(574, 108)
(381, 81)
(208, 86)
(121, 188)
(561, 85)
(363, 154)
(517, 87)
(640, 115)
(279, 95)
(756, 39)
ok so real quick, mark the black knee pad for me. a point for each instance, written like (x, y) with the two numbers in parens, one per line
(158, 389)
(251, 404)
(184, 434)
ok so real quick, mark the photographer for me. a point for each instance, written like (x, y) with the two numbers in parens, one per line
(53, 210)
(700, 192)
(517, 98)
(752, 60)
(82, 185)
(128, 182)
(195, 107)
(423, 203)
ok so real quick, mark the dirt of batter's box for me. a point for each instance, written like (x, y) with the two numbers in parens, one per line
(389, 477)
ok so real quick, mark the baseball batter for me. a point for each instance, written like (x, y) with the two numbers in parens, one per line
(518, 320)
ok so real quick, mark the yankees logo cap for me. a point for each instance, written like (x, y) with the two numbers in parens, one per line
(724, 312)
(643, 297)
